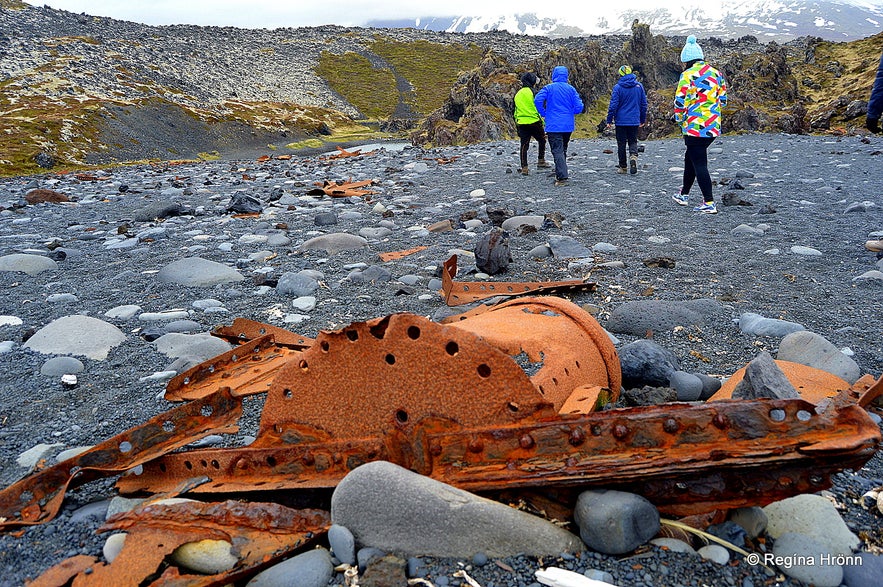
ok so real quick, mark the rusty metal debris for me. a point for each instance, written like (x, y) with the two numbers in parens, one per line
(392, 255)
(343, 189)
(260, 534)
(38, 497)
(457, 293)
(506, 398)
(343, 153)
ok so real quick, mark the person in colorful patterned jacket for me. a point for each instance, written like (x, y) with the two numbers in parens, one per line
(875, 102)
(699, 98)
(528, 123)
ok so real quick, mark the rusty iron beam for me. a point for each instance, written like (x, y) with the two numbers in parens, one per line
(456, 293)
(686, 459)
(37, 498)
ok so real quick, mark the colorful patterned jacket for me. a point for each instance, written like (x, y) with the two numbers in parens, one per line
(699, 99)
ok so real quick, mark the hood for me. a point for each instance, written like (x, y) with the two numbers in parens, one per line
(628, 80)
(559, 74)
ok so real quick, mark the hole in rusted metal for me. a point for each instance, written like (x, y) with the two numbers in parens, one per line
(378, 330)
(452, 348)
(168, 426)
(513, 407)
(189, 465)
(352, 335)
(325, 346)
(413, 332)
(125, 446)
(777, 415)
(206, 411)
(803, 415)
(484, 370)
(303, 365)
(390, 359)
(287, 393)
(401, 416)
(271, 460)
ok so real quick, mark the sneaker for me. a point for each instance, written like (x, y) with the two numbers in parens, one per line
(541, 164)
(681, 199)
(560, 182)
(525, 171)
(706, 208)
(633, 164)
(620, 170)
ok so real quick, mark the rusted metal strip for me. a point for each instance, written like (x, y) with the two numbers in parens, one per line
(465, 292)
(260, 534)
(247, 369)
(392, 255)
(38, 497)
(243, 330)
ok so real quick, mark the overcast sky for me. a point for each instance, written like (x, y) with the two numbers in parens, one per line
(294, 13)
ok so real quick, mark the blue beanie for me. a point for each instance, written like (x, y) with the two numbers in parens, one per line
(691, 50)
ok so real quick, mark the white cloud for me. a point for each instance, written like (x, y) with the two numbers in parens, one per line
(273, 14)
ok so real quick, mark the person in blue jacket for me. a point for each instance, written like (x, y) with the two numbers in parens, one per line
(558, 103)
(628, 109)
(875, 103)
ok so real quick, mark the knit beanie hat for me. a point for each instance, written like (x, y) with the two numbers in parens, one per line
(625, 70)
(691, 50)
(528, 80)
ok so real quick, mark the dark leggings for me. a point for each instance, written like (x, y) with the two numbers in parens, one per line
(696, 166)
(626, 136)
(527, 132)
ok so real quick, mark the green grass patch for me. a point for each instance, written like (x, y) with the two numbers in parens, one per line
(430, 68)
(372, 91)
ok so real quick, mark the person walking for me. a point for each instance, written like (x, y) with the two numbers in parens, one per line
(875, 102)
(699, 98)
(558, 103)
(628, 110)
(528, 123)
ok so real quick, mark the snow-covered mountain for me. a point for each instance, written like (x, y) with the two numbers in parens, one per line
(837, 20)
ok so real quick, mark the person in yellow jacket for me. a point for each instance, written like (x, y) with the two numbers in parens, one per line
(529, 123)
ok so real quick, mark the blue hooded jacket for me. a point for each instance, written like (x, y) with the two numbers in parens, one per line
(628, 102)
(558, 102)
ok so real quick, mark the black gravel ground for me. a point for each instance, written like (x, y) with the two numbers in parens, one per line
(800, 187)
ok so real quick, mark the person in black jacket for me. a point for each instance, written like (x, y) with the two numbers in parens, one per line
(875, 103)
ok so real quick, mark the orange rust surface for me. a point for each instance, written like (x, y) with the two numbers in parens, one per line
(391, 372)
(537, 326)
(457, 293)
(812, 384)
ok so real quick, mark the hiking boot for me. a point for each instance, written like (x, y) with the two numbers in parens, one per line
(541, 164)
(525, 171)
(560, 182)
(681, 199)
(633, 164)
(706, 208)
(620, 170)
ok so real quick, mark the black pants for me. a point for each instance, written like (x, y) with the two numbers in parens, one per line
(626, 135)
(527, 132)
(696, 166)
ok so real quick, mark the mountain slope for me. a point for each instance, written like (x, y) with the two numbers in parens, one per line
(778, 20)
